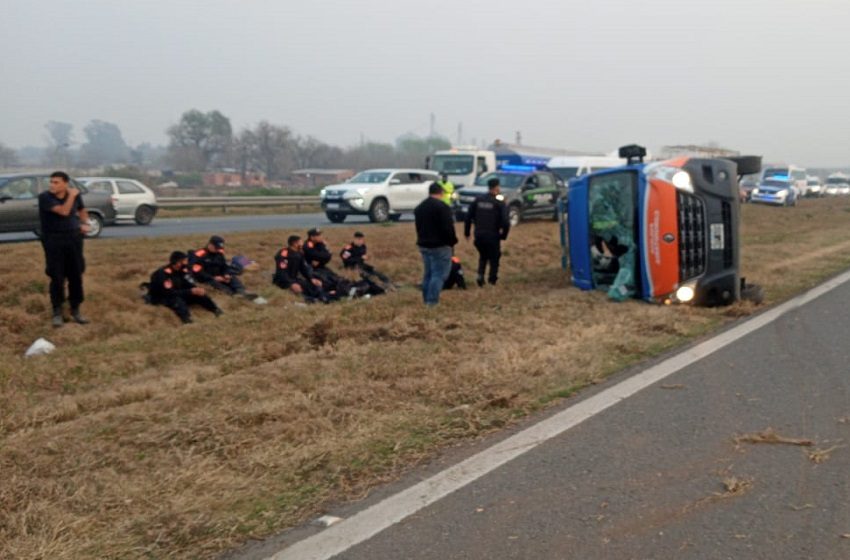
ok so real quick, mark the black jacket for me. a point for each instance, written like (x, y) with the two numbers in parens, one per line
(167, 283)
(289, 265)
(206, 265)
(434, 224)
(490, 216)
(317, 252)
(352, 255)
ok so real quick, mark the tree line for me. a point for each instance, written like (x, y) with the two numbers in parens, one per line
(206, 141)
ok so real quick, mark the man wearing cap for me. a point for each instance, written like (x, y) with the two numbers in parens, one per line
(293, 273)
(490, 217)
(209, 266)
(355, 254)
(173, 287)
(435, 236)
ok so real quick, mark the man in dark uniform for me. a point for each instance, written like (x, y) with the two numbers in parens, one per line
(490, 216)
(64, 223)
(209, 266)
(173, 287)
(318, 256)
(455, 278)
(355, 254)
(293, 273)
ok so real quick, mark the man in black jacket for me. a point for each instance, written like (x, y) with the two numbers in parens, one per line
(354, 256)
(173, 287)
(435, 236)
(293, 273)
(209, 266)
(490, 216)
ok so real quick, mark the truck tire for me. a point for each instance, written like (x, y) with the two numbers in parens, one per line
(144, 215)
(747, 165)
(514, 215)
(379, 212)
(96, 223)
(753, 293)
(336, 217)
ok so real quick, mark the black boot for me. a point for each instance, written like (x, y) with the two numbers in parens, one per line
(78, 318)
(58, 320)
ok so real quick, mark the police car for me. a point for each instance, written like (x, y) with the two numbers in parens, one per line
(528, 192)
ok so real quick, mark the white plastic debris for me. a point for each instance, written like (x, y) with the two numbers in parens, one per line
(40, 347)
(260, 300)
(327, 520)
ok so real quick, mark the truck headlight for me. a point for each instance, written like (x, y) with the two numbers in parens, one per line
(682, 181)
(455, 196)
(755, 191)
(685, 294)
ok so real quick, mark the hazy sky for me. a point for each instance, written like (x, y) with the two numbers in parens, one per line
(763, 76)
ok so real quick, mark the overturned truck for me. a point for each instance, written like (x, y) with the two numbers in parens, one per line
(665, 231)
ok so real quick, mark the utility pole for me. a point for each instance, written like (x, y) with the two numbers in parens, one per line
(459, 133)
(518, 138)
(433, 125)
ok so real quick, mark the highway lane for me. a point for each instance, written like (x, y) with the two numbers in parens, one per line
(658, 475)
(165, 227)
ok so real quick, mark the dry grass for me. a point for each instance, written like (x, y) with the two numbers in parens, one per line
(140, 438)
(769, 435)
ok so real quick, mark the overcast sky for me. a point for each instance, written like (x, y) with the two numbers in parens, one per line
(762, 76)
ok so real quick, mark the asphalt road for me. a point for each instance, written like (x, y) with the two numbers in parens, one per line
(644, 479)
(163, 227)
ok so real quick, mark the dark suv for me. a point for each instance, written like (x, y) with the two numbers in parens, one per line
(528, 193)
(19, 204)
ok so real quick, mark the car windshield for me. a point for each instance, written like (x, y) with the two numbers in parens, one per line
(506, 180)
(812, 182)
(452, 164)
(837, 181)
(565, 173)
(776, 173)
(776, 184)
(370, 177)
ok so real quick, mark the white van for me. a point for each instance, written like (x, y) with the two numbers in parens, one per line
(381, 194)
(570, 167)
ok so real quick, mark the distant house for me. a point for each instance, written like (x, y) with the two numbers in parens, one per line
(232, 178)
(321, 177)
(693, 150)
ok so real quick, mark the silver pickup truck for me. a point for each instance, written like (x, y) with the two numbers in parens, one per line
(19, 204)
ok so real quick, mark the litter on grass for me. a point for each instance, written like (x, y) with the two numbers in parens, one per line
(770, 436)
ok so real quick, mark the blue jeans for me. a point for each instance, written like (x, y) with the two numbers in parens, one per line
(438, 265)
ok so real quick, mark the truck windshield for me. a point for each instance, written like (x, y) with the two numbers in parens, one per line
(370, 177)
(452, 164)
(838, 181)
(611, 198)
(565, 173)
(506, 180)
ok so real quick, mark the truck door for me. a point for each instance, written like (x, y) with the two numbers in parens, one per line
(19, 204)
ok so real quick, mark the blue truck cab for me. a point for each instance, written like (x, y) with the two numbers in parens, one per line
(663, 231)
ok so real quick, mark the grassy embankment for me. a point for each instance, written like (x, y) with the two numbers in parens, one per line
(140, 438)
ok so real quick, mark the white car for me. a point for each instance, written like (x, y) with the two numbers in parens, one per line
(815, 187)
(381, 194)
(132, 199)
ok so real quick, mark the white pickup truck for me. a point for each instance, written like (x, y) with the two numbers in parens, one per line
(381, 194)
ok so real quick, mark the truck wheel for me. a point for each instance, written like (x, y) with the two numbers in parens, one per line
(753, 293)
(96, 223)
(336, 217)
(514, 215)
(144, 215)
(379, 212)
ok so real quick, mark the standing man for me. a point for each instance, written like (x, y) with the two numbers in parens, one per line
(490, 216)
(435, 236)
(64, 222)
(448, 188)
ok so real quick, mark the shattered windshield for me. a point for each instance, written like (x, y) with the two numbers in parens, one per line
(612, 199)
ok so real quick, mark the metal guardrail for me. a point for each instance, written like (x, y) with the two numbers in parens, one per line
(225, 202)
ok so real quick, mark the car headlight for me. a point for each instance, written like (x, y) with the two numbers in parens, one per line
(782, 194)
(755, 191)
(685, 294)
(455, 196)
(682, 181)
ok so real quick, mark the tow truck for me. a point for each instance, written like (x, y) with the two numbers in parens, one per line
(665, 232)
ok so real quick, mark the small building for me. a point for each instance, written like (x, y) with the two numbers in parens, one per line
(232, 178)
(321, 177)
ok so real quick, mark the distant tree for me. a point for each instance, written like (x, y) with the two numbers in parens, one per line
(104, 144)
(270, 148)
(200, 138)
(312, 153)
(412, 150)
(59, 138)
(8, 156)
(370, 154)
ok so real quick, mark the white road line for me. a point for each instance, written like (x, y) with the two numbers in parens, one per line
(374, 519)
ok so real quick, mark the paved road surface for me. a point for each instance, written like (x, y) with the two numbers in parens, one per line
(209, 225)
(644, 478)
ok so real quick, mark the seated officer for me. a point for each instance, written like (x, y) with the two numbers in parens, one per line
(355, 254)
(293, 273)
(209, 266)
(173, 287)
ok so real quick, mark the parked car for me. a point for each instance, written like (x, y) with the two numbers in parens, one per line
(746, 185)
(19, 204)
(133, 199)
(381, 194)
(816, 189)
(528, 192)
(776, 192)
(837, 184)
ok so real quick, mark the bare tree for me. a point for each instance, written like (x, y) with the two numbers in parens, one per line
(8, 156)
(200, 136)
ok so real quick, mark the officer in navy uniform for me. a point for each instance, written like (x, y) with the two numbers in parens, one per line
(490, 217)
(209, 266)
(64, 223)
(173, 287)
(293, 273)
